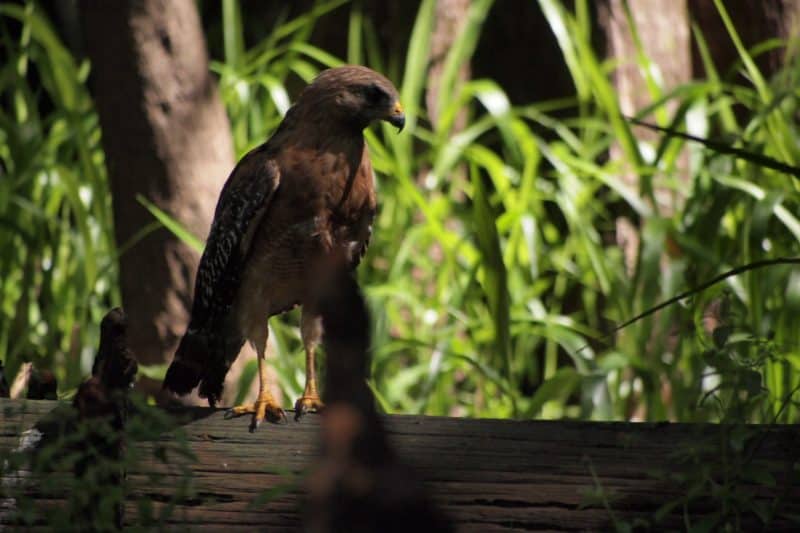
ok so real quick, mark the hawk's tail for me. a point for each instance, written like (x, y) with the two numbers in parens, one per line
(201, 362)
(186, 370)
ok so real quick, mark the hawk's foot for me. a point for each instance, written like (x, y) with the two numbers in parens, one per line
(306, 404)
(265, 407)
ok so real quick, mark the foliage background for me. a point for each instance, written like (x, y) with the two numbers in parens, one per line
(494, 272)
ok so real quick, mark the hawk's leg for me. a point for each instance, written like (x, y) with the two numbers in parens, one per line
(265, 406)
(311, 333)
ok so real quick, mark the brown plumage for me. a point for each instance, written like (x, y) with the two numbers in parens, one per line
(304, 194)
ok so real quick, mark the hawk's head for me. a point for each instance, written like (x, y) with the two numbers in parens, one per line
(356, 95)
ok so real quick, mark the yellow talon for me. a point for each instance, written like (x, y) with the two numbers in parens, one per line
(265, 407)
(306, 404)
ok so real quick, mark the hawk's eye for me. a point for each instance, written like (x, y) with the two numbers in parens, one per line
(374, 94)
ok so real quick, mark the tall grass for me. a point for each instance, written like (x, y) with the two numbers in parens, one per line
(493, 276)
(58, 265)
(491, 269)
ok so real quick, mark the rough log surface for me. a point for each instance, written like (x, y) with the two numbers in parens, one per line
(488, 475)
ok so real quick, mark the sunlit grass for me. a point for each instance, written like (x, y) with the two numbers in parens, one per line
(493, 263)
(489, 271)
(58, 265)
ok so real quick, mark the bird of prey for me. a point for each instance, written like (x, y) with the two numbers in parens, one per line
(306, 193)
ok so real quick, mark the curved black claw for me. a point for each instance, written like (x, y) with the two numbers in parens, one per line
(305, 405)
(283, 417)
(276, 416)
(230, 413)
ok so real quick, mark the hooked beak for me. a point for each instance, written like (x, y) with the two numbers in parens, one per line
(397, 118)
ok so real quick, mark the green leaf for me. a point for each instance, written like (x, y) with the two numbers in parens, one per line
(172, 225)
(461, 50)
(494, 270)
(557, 389)
(720, 336)
(155, 372)
(232, 31)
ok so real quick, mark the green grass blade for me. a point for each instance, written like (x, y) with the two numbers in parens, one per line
(233, 32)
(494, 270)
(172, 225)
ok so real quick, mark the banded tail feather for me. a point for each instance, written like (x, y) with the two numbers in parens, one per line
(202, 359)
(186, 370)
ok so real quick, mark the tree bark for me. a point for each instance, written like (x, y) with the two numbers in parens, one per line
(450, 18)
(518, 50)
(663, 28)
(166, 137)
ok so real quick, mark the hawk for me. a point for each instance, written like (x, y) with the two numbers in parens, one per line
(305, 195)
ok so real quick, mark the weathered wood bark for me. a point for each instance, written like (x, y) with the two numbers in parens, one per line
(488, 475)
(167, 138)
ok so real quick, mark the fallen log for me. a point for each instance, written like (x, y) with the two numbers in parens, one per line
(486, 475)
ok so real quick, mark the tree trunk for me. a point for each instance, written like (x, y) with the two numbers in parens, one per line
(166, 137)
(755, 21)
(663, 28)
(519, 51)
(450, 18)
